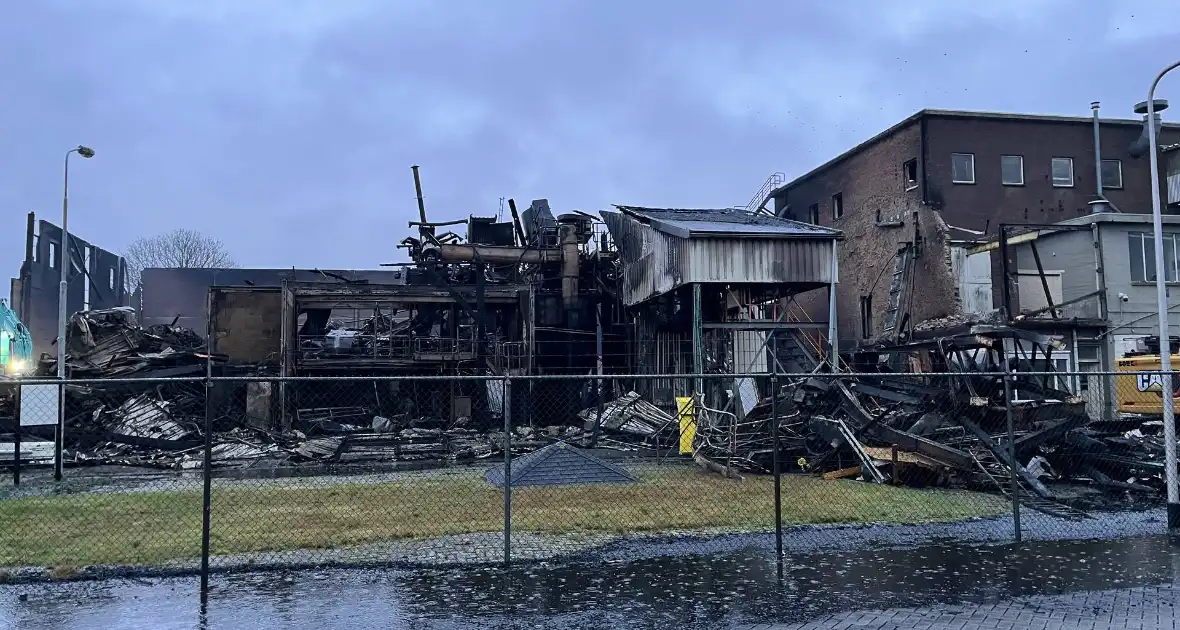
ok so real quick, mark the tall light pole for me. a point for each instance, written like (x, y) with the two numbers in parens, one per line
(1161, 289)
(65, 261)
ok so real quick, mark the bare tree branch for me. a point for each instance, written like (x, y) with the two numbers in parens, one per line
(181, 248)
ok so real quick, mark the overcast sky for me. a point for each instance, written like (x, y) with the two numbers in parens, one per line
(286, 128)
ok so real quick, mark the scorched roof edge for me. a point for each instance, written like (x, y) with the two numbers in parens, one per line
(725, 223)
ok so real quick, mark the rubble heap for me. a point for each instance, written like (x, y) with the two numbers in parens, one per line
(947, 425)
(111, 344)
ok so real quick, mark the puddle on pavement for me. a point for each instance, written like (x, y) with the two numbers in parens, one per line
(707, 591)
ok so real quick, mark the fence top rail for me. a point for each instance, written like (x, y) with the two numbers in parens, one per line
(550, 377)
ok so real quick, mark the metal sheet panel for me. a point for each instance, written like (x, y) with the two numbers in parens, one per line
(758, 261)
(655, 263)
(649, 258)
(1173, 174)
(973, 276)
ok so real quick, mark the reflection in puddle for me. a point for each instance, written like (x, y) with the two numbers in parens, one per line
(688, 591)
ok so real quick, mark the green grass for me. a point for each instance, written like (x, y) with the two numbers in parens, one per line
(153, 527)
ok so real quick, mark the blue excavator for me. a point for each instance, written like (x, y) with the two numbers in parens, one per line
(16, 345)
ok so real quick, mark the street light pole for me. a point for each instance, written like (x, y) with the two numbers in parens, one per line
(1161, 288)
(65, 261)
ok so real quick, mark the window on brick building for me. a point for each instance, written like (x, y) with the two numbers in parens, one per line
(866, 316)
(1062, 171)
(963, 168)
(909, 173)
(1112, 174)
(837, 206)
(1012, 170)
(813, 214)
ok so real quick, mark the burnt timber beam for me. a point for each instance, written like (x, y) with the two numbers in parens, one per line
(1005, 275)
(476, 313)
(906, 441)
(1044, 281)
(1046, 309)
(1002, 455)
(886, 394)
(1051, 433)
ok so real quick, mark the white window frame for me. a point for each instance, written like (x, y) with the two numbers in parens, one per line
(1056, 359)
(838, 206)
(910, 184)
(1119, 164)
(1053, 175)
(813, 214)
(1021, 159)
(963, 181)
(1146, 238)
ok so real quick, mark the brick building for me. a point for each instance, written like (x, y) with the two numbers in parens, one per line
(939, 177)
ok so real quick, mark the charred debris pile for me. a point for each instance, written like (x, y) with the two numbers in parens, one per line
(945, 423)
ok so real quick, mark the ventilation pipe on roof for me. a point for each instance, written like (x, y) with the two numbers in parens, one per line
(1097, 153)
(1139, 147)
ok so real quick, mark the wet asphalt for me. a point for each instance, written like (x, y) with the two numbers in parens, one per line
(734, 586)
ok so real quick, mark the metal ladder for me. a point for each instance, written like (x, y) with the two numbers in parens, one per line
(985, 460)
(897, 286)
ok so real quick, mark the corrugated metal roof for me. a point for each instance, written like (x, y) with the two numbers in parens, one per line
(725, 223)
(655, 261)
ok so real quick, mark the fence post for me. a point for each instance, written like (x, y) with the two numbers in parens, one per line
(59, 433)
(207, 493)
(1014, 480)
(778, 492)
(507, 408)
(16, 441)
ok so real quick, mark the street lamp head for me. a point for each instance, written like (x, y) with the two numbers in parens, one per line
(1158, 105)
(85, 152)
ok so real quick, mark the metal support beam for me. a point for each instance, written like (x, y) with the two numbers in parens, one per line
(762, 324)
(1005, 277)
(698, 350)
(833, 331)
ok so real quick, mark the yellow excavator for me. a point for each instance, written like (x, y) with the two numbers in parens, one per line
(1139, 384)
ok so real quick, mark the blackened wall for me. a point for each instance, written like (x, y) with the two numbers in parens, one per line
(868, 178)
(183, 294)
(96, 281)
(878, 216)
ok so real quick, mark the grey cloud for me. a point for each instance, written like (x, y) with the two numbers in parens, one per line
(286, 128)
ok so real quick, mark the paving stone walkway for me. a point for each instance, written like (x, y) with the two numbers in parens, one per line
(1139, 608)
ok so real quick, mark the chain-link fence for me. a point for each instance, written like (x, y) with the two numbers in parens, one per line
(160, 474)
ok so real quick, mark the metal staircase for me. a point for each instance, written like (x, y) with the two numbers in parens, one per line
(775, 181)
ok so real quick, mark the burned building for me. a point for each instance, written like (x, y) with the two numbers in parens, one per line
(708, 291)
(532, 296)
(180, 296)
(940, 179)
(96, 280)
